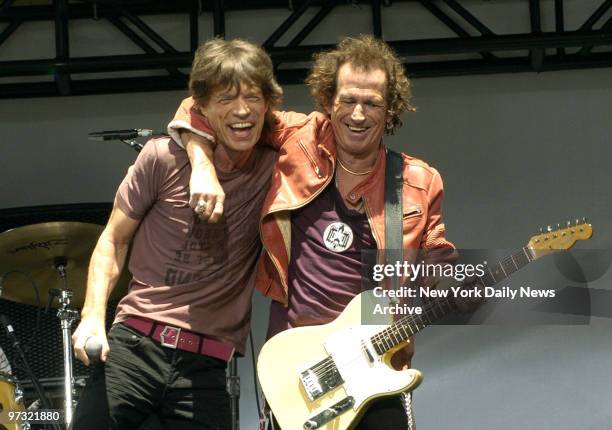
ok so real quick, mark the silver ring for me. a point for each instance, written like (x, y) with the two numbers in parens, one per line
(200, 205)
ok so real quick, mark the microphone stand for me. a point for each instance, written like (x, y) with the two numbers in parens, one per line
(136, 146)
(233, 388)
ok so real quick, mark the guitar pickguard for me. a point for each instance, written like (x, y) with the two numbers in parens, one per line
(362, 370)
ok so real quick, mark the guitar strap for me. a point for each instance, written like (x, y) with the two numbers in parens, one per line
(394, 247)
(394, 236)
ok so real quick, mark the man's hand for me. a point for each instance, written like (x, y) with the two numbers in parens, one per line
(206, 196)
(401, 359)
(89, 327)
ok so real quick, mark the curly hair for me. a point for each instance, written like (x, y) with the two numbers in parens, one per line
(364, 52)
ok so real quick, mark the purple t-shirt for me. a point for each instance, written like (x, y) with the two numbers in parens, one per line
(325, 269)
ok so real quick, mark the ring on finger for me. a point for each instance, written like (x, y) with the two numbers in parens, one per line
(200, 205)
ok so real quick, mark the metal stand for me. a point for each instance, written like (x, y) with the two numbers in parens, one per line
(67, 316)
(137, 146)
(233, 388)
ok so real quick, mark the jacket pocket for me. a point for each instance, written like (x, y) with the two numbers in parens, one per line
(413, 211)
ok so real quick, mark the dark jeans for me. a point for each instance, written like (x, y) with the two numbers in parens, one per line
(141, 378)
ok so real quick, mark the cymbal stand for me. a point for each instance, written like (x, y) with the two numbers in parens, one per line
(67, 316)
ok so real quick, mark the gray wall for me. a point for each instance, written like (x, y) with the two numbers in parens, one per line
(515, 151)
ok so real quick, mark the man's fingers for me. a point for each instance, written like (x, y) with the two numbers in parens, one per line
(193, 200)
(79, 349)
(204, 207)
(208, 210)
(218, 209)
(105, 350)
(208, 207)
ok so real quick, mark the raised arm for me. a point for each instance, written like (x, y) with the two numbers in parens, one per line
(105, 268)
(191, 129)
(281, 127)
(206, 195)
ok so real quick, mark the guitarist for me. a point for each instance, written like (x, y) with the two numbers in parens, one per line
(326, 202)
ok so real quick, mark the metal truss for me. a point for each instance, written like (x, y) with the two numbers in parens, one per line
(475, 49)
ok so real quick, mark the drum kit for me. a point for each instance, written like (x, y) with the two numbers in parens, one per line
(54, 256)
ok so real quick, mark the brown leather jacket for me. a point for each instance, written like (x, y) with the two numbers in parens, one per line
(305, 167)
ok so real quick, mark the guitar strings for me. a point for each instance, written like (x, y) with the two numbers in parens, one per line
(326, 366)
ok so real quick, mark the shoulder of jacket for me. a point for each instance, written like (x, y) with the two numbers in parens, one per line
(418, 173)
(290, 120)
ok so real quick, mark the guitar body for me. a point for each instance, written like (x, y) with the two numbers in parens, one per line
(293, 369)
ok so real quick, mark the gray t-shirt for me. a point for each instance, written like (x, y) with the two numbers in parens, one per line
(187, 272)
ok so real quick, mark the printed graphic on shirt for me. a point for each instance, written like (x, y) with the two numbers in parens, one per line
(207, 246)
(204, 247)
(338, 237)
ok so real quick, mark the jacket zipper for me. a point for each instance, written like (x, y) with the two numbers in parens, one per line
(314, 164)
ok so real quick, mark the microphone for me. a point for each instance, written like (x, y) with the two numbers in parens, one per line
(93, 349)
(131, 133)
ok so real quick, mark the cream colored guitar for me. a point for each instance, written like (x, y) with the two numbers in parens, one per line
(324, 377)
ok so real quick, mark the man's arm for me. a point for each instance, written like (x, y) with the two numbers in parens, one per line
(284, 125)
(204, 185)
(105, 268)
(191, 129)
(439, 250)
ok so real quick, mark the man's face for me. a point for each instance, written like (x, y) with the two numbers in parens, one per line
(359, 109)
(236, 115)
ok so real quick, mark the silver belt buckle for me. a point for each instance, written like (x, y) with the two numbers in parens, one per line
(168, 332)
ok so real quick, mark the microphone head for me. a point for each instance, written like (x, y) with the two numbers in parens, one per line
(93, 349)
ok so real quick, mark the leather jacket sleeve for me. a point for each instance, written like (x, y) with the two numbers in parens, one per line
(281, 126)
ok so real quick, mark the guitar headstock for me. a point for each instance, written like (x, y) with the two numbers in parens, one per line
(561, 238)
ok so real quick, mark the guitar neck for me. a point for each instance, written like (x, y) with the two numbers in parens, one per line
(437, 308)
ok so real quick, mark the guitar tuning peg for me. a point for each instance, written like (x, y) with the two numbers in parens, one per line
(584, 220)
(558, 226)
(577, 221)
(569, 223)
(548, 228)
(541, 230)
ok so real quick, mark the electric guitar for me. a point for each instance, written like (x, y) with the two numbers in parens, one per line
(324, 377)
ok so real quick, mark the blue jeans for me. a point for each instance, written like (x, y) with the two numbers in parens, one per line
(140, 378)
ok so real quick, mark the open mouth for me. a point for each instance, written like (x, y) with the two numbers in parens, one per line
(356, 129)
(241, 129)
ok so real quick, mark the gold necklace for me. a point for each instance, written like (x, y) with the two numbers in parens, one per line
(367, 172)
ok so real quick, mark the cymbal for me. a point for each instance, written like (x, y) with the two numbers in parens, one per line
(38, 249)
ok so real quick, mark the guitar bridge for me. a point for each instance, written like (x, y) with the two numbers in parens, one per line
(329, 414)
(321, 378)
